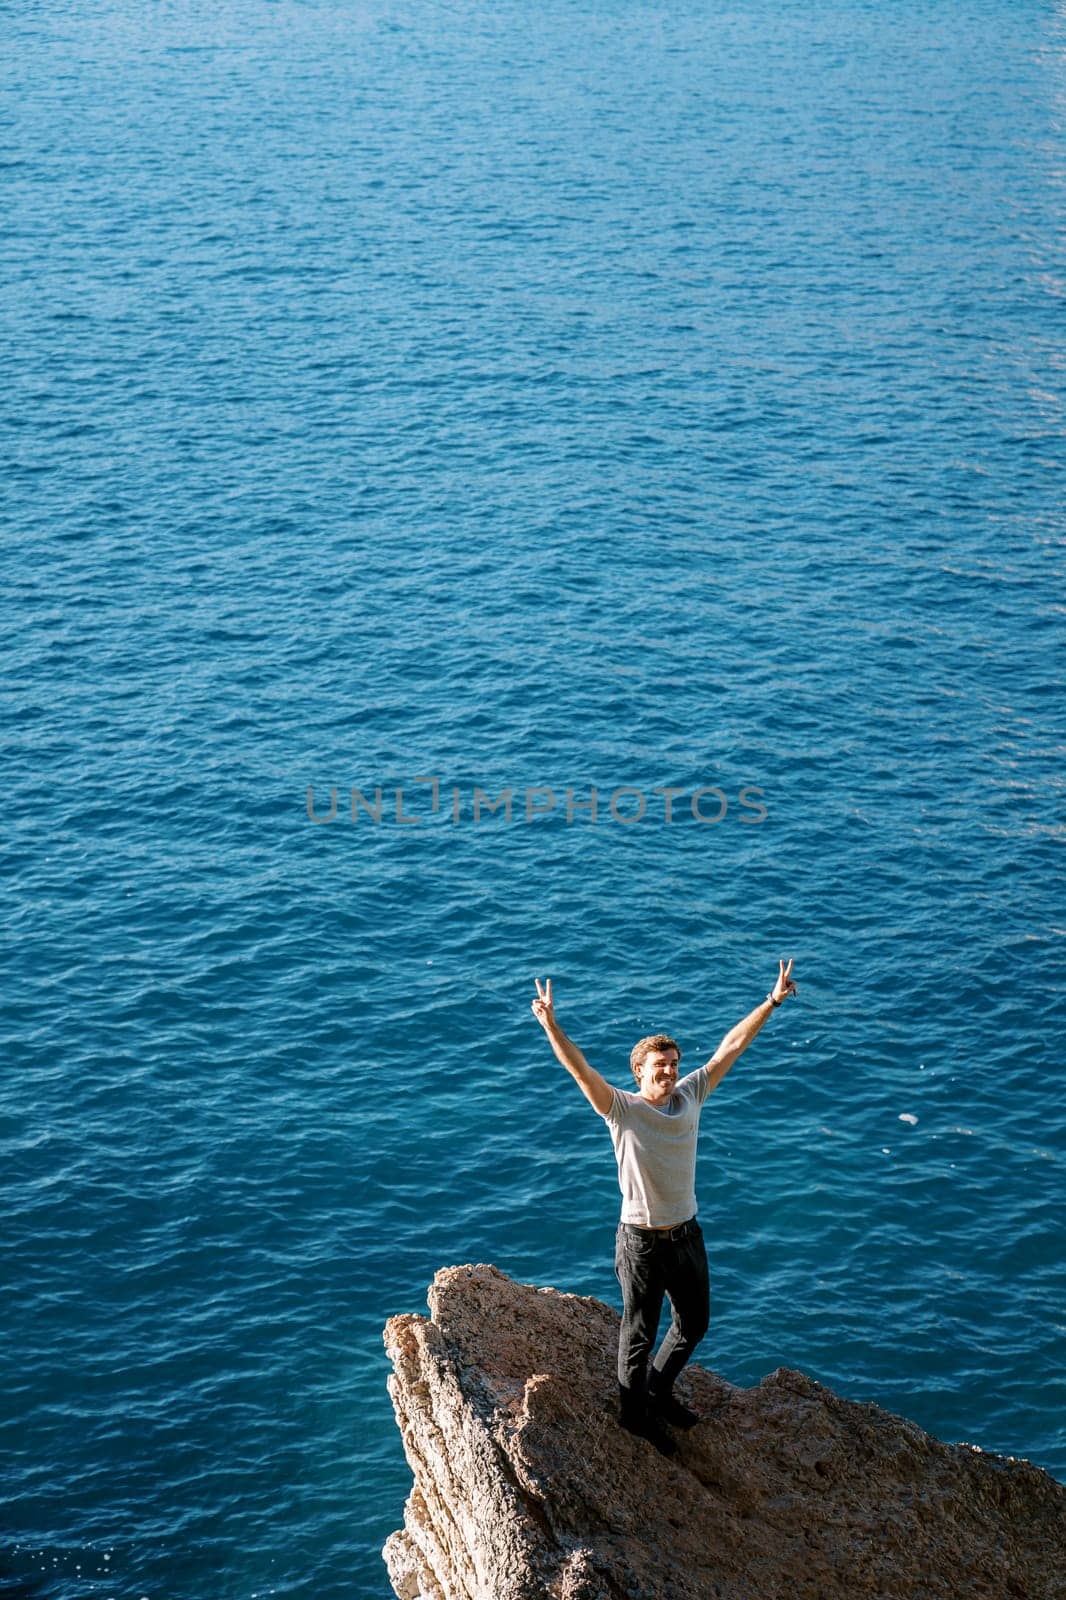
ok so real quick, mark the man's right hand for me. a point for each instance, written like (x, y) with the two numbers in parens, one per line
(542, 1006)
(597, 1090)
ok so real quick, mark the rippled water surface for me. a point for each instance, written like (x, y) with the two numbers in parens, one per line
(531, 398)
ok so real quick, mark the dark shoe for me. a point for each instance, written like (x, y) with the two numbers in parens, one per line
(670, 1409)
(647, 1428)
(665, 1404)
(635, 1417)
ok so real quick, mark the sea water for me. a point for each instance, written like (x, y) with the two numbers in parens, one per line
(450, 401)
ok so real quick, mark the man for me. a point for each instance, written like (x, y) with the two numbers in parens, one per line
(659, 1246)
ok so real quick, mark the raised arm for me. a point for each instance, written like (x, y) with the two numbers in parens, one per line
(738, 1039)
(596, 1089)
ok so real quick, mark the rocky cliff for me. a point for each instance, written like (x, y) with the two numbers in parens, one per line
(525, 1488)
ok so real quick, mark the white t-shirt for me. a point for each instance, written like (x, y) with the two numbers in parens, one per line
(655, 1147)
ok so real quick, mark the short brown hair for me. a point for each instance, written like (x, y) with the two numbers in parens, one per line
(643, 1047)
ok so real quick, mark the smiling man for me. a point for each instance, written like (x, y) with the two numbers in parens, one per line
(659, 1249)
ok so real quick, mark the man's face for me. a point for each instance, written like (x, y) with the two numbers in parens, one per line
(658, 1076)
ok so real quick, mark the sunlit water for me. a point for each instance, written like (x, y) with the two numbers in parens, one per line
(586, 394)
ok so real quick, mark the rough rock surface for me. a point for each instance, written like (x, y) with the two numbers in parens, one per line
(525, 1488)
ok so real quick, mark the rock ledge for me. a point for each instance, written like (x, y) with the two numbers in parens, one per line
(526, 1489)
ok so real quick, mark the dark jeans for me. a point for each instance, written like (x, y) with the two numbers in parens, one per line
(650, 1265)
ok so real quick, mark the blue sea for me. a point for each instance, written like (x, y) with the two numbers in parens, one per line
(417, 418)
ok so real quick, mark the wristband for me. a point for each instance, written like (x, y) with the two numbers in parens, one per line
(773, 1002)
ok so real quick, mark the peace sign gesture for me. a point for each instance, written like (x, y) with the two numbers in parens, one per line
(784, 985)
(542, 1006)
